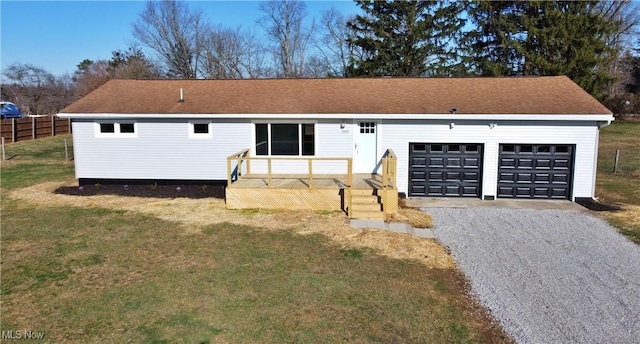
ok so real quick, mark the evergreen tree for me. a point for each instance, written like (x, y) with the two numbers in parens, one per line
(404, 38)
(543, 38)
(568, 38)
(491, 46)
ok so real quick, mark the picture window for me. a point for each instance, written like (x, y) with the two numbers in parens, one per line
(292, 139)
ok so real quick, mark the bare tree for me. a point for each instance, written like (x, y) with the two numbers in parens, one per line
(626, 14)
(29, 87)
(333, 43)
(175, 32)
(283, 23)
(232, 54)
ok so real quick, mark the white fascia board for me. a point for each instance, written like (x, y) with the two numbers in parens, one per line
(493, 117)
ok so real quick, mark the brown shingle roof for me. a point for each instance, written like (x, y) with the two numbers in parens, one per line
(530, 95)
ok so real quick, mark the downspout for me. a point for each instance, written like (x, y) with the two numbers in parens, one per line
(595, 158)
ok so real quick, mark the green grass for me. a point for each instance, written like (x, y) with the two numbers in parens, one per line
(621, 188)
(108, 276)
(111, 276)
(36, 161)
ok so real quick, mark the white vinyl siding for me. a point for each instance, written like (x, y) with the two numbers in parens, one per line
(162, 150)
(398, 134)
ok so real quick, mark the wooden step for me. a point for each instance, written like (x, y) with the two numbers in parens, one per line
(360, 214)
(364, 199)
(369, 206)
(367, 192)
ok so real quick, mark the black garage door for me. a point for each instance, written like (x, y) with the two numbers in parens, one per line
(450, 170)
(535, 171)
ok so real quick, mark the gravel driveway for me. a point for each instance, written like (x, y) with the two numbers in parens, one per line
(549, 276)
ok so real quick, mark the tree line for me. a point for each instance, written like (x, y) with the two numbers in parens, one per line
(589, 41)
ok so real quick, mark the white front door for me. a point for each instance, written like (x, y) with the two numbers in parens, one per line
(366, 146)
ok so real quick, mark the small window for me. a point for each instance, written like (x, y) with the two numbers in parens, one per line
(419, 147)
(562, 149)
(115, 129)
(127, 128)
(436, 148)
(107, 128)
(200, 128)
(526, 149)
(508, 149)
(454, 148)
(471, 148)
(544, 149)
(367, 127)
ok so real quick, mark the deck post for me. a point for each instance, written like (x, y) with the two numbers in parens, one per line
(248, 159)
(310, 173)
(228, 171)
(385, 169)
(269, 172)
(349, 171)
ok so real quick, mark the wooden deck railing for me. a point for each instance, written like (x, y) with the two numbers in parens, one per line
(389, 166)
(242, 157)
(239, 158)
(242, 168)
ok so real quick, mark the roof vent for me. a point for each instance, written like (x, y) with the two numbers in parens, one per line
(453, 111)
(181, 97)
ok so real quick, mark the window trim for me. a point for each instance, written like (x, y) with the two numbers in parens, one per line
(116, 128)
(194, 135)
(300, 137)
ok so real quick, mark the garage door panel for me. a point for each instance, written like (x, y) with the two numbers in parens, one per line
(560, 178)
(471, 162)
(535, 171)
(453, 162)
(471, 176)
(451, 170)
(524, 177)
(453, 176)
(436, 162)
(526, 163)
(544, 178)
(436, 176)
(561, 163)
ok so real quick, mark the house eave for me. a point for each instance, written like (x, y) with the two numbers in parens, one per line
(520, 117)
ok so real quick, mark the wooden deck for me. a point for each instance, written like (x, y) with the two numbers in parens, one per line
(301, 181)
(360, 195)
(291, 191)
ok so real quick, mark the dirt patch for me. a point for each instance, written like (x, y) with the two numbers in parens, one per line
(414, 217)
(196, 213)
(146, 190)
(597, 206)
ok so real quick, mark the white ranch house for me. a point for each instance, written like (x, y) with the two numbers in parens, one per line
(527, 137)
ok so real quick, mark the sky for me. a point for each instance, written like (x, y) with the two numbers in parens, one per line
(57, 35)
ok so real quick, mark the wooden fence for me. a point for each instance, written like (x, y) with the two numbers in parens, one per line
(29, 128)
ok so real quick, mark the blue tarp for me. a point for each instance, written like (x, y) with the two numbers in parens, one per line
(9, 110)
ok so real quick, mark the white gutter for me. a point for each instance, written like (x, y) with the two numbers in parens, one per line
(531, 117)
(606, 123)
